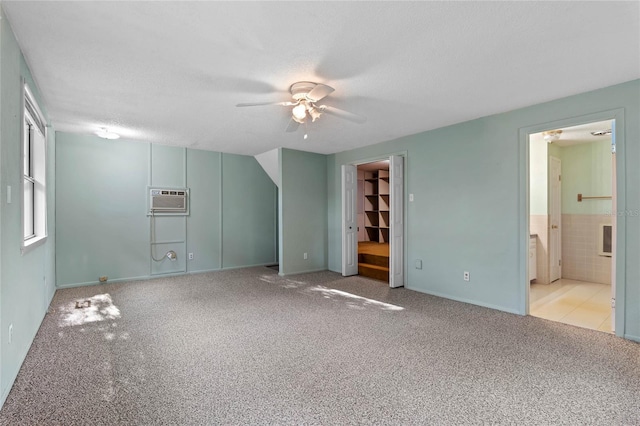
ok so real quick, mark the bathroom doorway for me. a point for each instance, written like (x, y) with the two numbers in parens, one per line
(572, 225)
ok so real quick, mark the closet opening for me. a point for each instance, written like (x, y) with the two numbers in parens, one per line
(373, 220)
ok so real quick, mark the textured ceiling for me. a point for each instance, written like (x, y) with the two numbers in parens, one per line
(580, 134)
(172, 72)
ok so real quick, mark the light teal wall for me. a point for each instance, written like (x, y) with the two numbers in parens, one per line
(169, 170)
(203, 226)
(303, 211)
(466, 216)
(102, 220)
(101, 207)
(26, 281)
(586, 170)
(249, 213)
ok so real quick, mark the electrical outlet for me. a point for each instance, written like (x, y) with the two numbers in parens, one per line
(418, 264)
(190, 256)
(10, 333)
(305, 256)
(465, 276)
(411, 198)
(103, 279)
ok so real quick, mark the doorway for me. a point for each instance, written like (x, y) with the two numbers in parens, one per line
(373, 220)
(571, 225)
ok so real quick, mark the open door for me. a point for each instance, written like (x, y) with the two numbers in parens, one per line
(349, 220)
(555, 217)
(396, 216)
(614, 225)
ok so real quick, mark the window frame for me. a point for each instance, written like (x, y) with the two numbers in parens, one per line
(34, 158)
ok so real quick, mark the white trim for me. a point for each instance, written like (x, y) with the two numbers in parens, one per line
(40, 215)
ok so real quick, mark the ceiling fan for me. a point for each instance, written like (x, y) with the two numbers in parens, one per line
(306, 95)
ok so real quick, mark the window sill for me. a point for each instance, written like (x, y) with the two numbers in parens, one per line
(32, 243)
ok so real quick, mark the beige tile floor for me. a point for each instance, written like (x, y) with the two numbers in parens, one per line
(578, 303)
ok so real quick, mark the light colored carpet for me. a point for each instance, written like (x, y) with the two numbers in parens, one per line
(250, 347)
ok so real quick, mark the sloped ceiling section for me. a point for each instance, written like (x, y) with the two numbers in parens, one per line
(172, 72)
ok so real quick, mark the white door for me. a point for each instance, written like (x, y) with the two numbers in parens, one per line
(614, 216)
(396, 217)
(555, 219)
(349, 220)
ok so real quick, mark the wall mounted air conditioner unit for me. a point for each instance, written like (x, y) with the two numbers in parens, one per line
(168, 200)
(605, 240)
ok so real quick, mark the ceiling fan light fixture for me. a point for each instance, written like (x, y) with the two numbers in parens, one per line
(314, 113)
(299, 112)
(552, 135)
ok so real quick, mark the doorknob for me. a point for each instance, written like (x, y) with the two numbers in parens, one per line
(554, 226)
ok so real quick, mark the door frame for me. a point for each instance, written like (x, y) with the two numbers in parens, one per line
(619, 259)
(367, 160)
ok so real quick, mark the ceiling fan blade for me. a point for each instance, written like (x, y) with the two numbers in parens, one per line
(342, 114)
(266, 103)
(293, 126)
(319, 92)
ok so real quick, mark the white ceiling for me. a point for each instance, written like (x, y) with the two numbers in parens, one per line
(579, 134)
(376, 165)
(172, 72)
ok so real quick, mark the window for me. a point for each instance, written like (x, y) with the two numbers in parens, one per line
(34, 193)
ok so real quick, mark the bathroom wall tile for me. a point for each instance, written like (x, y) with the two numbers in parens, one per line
(580, 234)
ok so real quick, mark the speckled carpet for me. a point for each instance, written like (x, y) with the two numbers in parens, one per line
(250, 347)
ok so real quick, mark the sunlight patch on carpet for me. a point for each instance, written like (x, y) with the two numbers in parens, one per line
(282, 282)
(354, 301)
(101, 308)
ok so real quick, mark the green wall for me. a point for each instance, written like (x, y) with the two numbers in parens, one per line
(205, 214)
(586, 170)
(26, 280)
(249, 212)
(468, 181)
(303, 211)
(102, 222)
(100, 209)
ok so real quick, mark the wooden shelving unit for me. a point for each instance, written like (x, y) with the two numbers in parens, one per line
(376, 205)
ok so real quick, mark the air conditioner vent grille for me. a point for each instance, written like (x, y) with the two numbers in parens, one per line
(169, 200)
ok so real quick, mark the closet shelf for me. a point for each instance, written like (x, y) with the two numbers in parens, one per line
(376, 205)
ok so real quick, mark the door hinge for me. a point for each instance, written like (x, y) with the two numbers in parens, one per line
(560, 178)
(613, 148)
(559, 262)
(613, 302)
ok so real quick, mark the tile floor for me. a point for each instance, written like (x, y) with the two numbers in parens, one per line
(578, 303)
